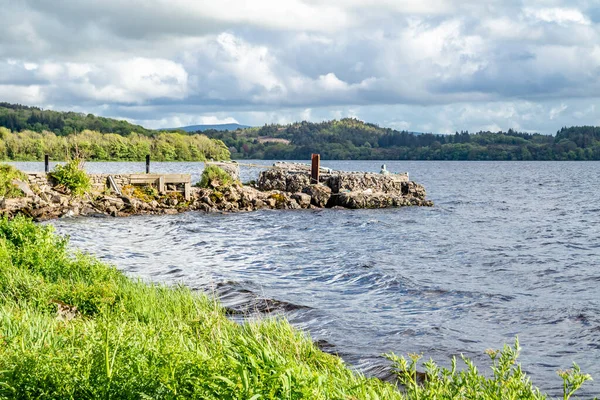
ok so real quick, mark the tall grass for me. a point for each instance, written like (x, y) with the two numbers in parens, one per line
(72, 327)
(130, 340)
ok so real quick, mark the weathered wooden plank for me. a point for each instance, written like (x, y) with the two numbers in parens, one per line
(187, 191)
(183, 177)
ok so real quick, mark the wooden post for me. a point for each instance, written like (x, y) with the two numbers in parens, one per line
(314, 170)
(147, 163)
(47, 163)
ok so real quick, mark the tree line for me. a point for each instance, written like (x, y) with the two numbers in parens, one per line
(17, 118)
(353, 139)
(95, 146)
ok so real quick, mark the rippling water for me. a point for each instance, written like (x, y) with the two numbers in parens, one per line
(510, 248)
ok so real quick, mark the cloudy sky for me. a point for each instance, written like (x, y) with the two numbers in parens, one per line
(421, 65)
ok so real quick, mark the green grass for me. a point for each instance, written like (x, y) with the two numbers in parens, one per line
(125, 339)
(72, 176)
(7, 188)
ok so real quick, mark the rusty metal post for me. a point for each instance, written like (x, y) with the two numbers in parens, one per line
(147, 163)
(47, 163)
(315, 167)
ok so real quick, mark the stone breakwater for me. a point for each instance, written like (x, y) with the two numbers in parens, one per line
(285, 186)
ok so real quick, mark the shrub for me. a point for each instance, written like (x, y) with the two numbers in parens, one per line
(508, 381)
(73, 177)
(7, 188)
(214, 177)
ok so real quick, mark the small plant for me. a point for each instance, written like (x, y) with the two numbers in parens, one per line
(7, 174)
(572, 380)
(72, 176)
(214, 177)
(146, 193)
(508, 381)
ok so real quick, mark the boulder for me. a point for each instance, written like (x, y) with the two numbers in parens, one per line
(18, 203)
(272, 179)
(319, 194)
(296, 182)
(23, 187)
(367, 199)
(303, 199)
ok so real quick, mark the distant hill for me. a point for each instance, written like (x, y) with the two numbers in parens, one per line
(351, 139)
(216, 127)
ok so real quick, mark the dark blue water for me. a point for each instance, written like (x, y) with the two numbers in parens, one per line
(510, 249)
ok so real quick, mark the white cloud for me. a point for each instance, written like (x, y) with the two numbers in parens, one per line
(556, 111)
(332, 82)
(250, 65)
(29, 94)
(558, 15)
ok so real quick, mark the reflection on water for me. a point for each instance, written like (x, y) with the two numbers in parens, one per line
(509, 249)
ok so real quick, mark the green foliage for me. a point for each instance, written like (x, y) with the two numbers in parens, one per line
(72, 176)
(17, 117)
(7, 174)
(215, 177)
(508, 381)
(573, 379)
(130, 340)
(352, 139)
(29, 145)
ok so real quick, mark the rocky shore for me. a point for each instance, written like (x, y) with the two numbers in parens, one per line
(285, 186)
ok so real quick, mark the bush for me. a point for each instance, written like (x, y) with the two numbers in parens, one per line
(73, 177)
(214, 177)
(508, 381)
(7, 188)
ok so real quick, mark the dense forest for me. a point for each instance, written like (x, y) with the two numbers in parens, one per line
(27, 133)
(352, 139)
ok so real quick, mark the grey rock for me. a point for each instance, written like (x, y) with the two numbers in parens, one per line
(24, 187)
(303, 199)
(319, 194)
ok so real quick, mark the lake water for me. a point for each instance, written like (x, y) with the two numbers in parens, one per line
(510, 248)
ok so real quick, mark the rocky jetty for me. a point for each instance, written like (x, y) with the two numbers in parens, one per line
(284, 186)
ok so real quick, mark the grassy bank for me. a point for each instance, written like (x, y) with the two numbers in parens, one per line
(73, 327)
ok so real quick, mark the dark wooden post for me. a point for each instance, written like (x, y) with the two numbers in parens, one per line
(314, 170)
(47, 163)
(147, 163)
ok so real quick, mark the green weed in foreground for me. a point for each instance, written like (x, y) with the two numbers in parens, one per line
(73, 177)
(507, 381)
(124, 339)
(7, 174)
